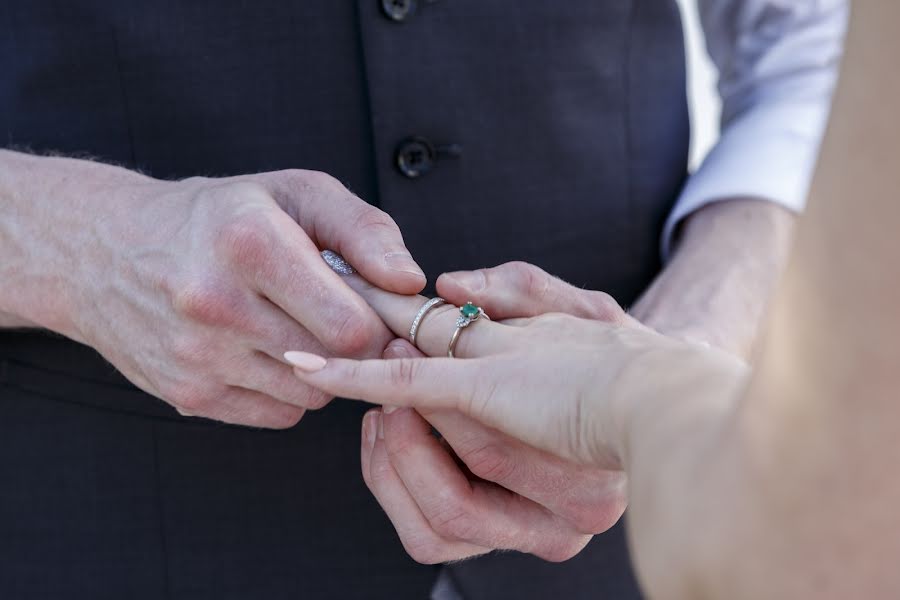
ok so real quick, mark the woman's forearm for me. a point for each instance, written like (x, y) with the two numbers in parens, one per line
(817, 438)
(674, 403)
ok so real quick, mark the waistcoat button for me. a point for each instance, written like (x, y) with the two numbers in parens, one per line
(415, 156)
(398, 10)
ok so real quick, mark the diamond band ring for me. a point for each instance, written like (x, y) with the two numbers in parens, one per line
(420, 316)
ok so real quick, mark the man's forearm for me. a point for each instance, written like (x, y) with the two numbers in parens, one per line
(726, 265)
(43, 217)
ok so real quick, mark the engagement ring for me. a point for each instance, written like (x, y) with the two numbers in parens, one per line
(468, 314)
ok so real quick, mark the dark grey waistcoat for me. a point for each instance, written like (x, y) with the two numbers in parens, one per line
(538, 130)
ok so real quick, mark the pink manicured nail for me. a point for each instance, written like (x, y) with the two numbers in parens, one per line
(380, 426)
(305, 361)
(389, 409)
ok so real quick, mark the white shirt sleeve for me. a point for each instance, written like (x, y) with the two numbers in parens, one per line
(778, 62)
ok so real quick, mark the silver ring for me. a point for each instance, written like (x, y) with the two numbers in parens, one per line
(337, 263)
(468, 314)
(414, 328)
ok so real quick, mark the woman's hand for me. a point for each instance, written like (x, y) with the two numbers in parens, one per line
(541, 503)
(544, 380)
(542, 406)
(486, 490)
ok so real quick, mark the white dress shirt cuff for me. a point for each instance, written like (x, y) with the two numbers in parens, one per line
(769, 153)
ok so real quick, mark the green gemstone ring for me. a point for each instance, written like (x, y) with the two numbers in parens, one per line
(468, 314)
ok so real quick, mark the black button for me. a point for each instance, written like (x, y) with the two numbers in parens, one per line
(398, 10)
(415, 157)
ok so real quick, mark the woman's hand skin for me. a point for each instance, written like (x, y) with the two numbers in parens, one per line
(194, 288)
(540, 379)
(541, 503)
(545, 381)
(556, 392)
(574, 501)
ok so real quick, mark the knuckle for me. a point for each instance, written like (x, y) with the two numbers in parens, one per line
(517, 270)
(213, 192)
(208, 303)
(245, 190)
(191, 399)
(189, 350)
(564, 550)
(604, 307)
(246, 241)
(281, 419)
(291, 393)
(455, 522)
(533, 282)
(315, 179)
(596, 513)
(313, 399)
(596, 520)
(252, 409)
(302, 183)
(353, 335)
(368, 217)
(425, 549)
(490, 463)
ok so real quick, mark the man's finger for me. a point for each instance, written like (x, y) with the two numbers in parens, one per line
(589, 498)
(294, 277)
(421, 542)
(275, 379)
(336, 219)
(519, 289)
(240, 406)
(474, 512)
(270, 330)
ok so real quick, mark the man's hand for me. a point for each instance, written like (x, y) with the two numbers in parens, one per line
(480, 489)
(194, 289)
(717, 286)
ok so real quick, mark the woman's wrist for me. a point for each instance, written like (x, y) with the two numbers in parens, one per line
(667, 388)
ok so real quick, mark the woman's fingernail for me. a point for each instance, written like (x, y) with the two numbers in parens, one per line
(380, 426)
(305, 361)
(473, 281)
(400, 261)
(370, 427)
(389, 409)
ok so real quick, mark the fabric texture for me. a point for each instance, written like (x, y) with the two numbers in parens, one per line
(571, 125)
(778, 64)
